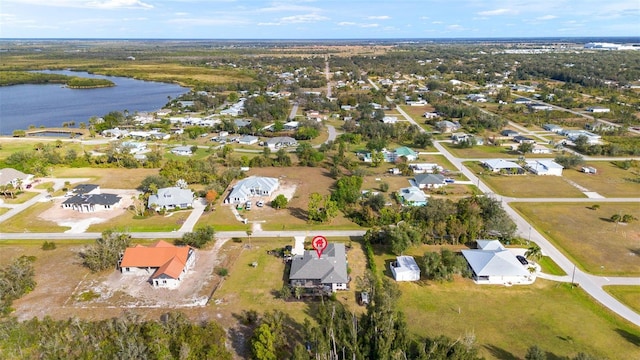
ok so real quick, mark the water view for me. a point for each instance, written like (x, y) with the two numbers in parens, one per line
(51, 105)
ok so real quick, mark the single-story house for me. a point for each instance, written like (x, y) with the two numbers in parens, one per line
(405, 152)
(509, 133)
(446, 126)
(242, 122)
(540, 107)
(291, 125)
(545, 167)
(165, 263)
(390, 119)
(540, 149)
(523, 140)
(244, 189)
(553, 128)
(171, 198)
(522, 101)
(498, 165)
(92, 202)
(425, 168)
(182, 150)
(430, 115)
(405, 268)
(248, 140)
(429, 181)
(281, 141)
(134, 147)
(327, 272)
(86, 189)
(491, 263)
(412, 196)
(598, 109)
(14, 177)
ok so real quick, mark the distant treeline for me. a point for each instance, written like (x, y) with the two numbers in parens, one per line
(8, 78)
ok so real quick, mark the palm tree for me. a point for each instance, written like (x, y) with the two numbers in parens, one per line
(533, 252)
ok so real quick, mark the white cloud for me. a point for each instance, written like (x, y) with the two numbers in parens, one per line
(437, 22)
(207, 21)
(497, 12)
(181, 14)
(346, 23)
(546, 17)
(369, 25)
(288, 7)
(117, 4)
(296, 19)
(455, 27)
(381, 17)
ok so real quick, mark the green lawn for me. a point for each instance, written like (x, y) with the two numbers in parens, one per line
(488, 151)
(550, 267)
(508, 320)
(127, 223)
(525, 186)
(628, 295)
(28, 221)
(586, 236)
(21, 198)
(3, 210)
(610, 181)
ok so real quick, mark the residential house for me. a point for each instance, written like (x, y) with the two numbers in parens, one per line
(540, 149)
(540, 107)
(171, 198)
(248, 140)
(429, 181)
(523, 88)
(544, 167)
(491, 263)
(509, 133)
(16, 178)
(85, 189)
(405, 152)
(420, 102)
(327, 272)
(412, 196)
(182, 150)
(92, 202)
(446, 126)
(425, 168)
(553, 128)
(252, 186)
(501, 165)
(523, 140)
(390, 119)
(134, 147)
(281, 141)
(522, 101)
(598, 109)
(165, 263)
(115, 133)
(291, 125)
(242, 122)
(405, 268)
(430, 115)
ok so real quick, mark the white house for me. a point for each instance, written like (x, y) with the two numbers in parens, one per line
(405, 268)
(491, 263)
(164, 263)
(92, 202)
(252, 186)
(390, 119)
(598, 109)
(540, 149)
(327, 272)
(182, 150)
(15, 177)
(545, 167)
(171, 198)
(498, 165)
(430, 115)
(429, 181)
(248, 140)
(425, 168)
(412, 196)
(281, 141)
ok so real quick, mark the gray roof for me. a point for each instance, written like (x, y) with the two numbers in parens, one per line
(429, 179)
(499, 262)
(84, 188)
(253, 185)
(413, 194)
(330, 268)
(8, 175)
(281, 140)
(95, 199)
(171, 196)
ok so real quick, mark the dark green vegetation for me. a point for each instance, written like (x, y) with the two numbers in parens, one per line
(23, 77)
(16, 279)
(105, 253)
(126, 337)
(198, 238)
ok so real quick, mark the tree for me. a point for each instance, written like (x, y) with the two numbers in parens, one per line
(211, 197)
(104, 254)
(423, 140)
(569, 160)
(616, 218)
(198, 238)
(534, 252)
(627, 218)
(535, 353)
(525, 147)
(280, 202)
(263, 344)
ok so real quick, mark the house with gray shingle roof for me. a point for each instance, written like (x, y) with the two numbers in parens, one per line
(328, 272)
(250, 187)
(14, 177)
(429, 181)
(171, 198)
(92, 202)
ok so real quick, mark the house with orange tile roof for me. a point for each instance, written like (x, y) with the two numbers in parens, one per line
(164, 263)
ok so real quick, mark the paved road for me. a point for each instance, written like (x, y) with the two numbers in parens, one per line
(590, 283)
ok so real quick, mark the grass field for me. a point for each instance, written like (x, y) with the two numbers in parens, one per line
(21, 198)
(525, 186)
(489, 151)
(610, 181)
(3, 210)
(127, 223)
(628, 295)
(550, 267)
(586, 236)
(115, 178)
(28, 221)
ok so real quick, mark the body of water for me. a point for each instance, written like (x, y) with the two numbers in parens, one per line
(51, 105)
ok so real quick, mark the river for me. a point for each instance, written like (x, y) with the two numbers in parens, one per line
(51, 105)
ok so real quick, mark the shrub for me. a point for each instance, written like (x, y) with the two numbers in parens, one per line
(48, 245)
(222, 272)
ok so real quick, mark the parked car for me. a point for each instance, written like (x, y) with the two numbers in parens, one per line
(260, 203)
(522, 260)
(247, 206)
(449, 181)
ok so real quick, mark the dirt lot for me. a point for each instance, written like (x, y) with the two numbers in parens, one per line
(79, 222)
(72, 290)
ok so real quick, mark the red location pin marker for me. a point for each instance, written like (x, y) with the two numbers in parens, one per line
(319, 243)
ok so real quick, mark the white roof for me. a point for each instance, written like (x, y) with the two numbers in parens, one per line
(406, 264)
(543, 165)
(501, 164)
(493, 260)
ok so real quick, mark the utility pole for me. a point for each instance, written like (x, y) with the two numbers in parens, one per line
(573, 276)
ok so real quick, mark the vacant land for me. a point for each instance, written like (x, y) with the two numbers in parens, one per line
(628, 295)
(29, 220)
(610, 181)
(107, 178)
(587, 236)
(525, 186)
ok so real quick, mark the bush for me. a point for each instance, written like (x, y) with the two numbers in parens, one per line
(222, 272)
(106, 251)
(48, 245)
(198, 238)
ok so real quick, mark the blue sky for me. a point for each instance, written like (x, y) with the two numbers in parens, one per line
(321, 19)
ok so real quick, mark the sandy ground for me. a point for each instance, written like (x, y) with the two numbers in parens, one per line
(80, 222)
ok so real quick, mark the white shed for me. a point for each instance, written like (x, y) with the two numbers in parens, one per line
(405, 268)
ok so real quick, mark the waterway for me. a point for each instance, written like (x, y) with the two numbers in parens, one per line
(51, 105)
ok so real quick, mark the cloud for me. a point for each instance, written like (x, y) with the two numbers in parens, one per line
(381, 17)
(437, 22)
(455, 27)
(347, 23)
(208, 21)
(362, 25)
(497, 12)
(546, 17)
(118, 4)
(288, 7)
(296, 19)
